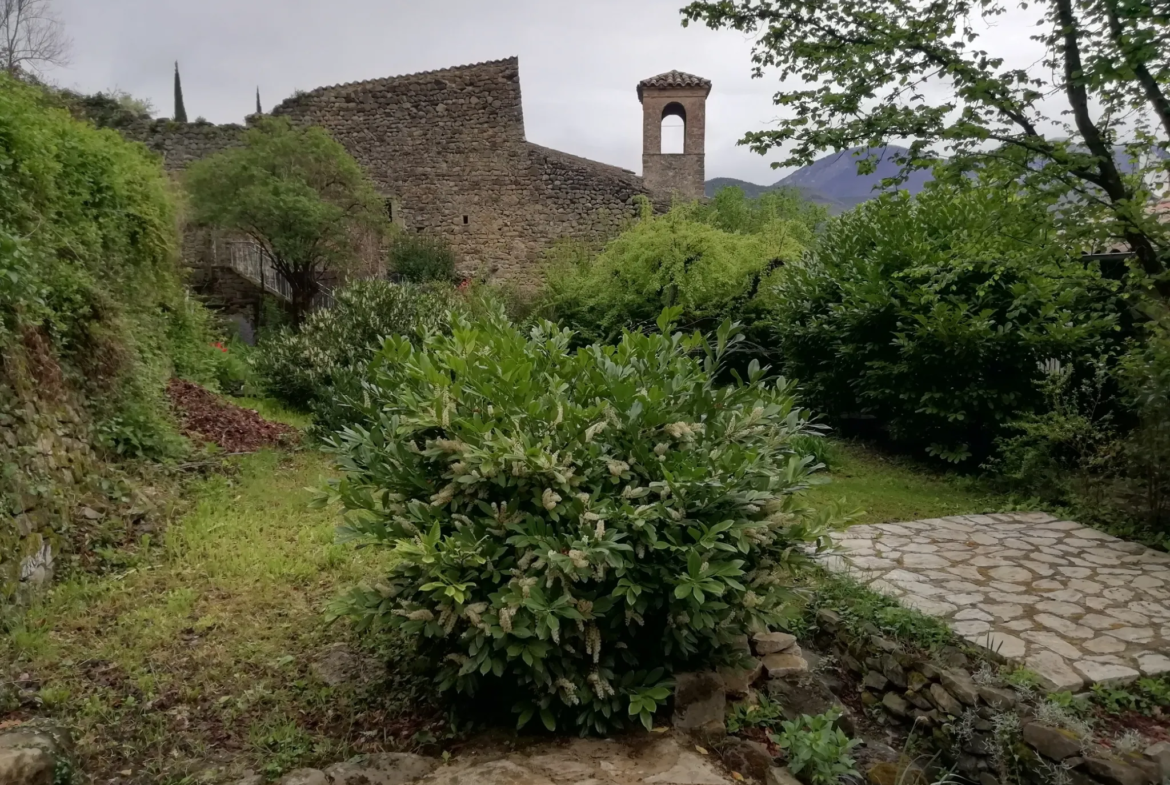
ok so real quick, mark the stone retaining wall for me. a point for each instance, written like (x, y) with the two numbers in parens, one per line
(987, 730)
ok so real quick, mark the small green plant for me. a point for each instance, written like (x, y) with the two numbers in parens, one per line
(765, 713)
(817, 750)
(1023, 680)
(1144, 696)
(860, 607)
(1117, 700)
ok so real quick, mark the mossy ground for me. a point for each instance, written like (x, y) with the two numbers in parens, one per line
(891, 488)
(198, 656)
(195, 657)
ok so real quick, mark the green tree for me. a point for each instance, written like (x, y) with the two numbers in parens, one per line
(298, 194)
(867, 72)
(180, 108)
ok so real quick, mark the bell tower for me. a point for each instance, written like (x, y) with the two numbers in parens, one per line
(674, 94)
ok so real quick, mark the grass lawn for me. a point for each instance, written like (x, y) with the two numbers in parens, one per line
(198, 657)
(894, 489)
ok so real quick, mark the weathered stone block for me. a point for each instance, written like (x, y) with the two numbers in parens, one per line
(699, 701)
(772, 642)
(1054, 743)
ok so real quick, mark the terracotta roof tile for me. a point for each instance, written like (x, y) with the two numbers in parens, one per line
(673, 80)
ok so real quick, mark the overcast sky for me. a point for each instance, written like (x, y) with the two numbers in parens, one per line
(580, 60)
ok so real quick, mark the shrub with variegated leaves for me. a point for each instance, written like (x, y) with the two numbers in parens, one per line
(572, 527)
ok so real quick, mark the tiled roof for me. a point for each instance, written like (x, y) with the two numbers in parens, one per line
(673, 80)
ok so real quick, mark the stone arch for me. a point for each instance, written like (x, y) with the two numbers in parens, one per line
(673, 136)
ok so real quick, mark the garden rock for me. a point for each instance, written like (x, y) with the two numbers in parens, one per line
(496, 772)
(780, 775)
(959, 684)
(945, 701)
(806, 693)
(690, 769)
(773, 642)
(749, 758)
(785, 663)
(737, 681)
(26, 766)
(1115, 771)
(389, 768)
(895, 773)
(896, 704)
(305, 777)
(700, 702)
(1160, 754)
(998, 698)
(1054, 743)
(32, 753)
(874, 680)
(339, 665)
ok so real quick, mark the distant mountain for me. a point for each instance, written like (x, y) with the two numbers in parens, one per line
(832, 180)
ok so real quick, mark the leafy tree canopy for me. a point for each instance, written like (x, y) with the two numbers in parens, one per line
(298, 194)
(857, 72)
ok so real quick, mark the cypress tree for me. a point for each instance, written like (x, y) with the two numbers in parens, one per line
(180, 110)
(258, 109)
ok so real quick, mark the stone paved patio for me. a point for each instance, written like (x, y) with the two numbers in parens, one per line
(1075, 605)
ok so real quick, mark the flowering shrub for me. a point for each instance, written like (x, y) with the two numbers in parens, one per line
(302, 368)
(572, 527)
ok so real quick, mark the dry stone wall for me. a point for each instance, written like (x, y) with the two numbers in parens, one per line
(447, 151)
(991, 734)
(180, 144)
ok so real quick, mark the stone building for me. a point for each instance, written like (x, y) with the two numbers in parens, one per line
(447, 151)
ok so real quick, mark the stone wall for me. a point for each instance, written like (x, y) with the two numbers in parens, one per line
(447, 151)
(45, 463)
(180, 144)
(990, 733)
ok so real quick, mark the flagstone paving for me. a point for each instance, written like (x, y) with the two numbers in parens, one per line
(1073, 604)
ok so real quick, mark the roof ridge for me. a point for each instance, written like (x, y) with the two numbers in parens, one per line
(674, 79)
(433, 71)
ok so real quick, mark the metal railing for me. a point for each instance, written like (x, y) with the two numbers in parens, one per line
(248, 259)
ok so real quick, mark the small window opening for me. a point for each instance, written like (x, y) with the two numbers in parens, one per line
(674, 129)
(389, 208)
(465, 220)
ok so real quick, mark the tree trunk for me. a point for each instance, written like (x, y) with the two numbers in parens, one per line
(304, 288)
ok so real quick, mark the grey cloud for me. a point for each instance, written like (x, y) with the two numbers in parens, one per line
(579, 60)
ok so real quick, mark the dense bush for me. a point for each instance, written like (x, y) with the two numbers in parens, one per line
(570, 527)
(88, 251)
(709, 260)
(318, 363)
(93, 319)
(1102, 445)
(935, 315)
(416, 258)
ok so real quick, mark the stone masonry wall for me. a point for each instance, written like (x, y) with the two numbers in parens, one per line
(447, 149)
(991, 734)
(180, 144)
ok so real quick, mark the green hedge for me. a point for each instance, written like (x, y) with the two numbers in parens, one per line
(710, 260)
(935, 314)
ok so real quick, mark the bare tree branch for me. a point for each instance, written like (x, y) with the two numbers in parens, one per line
(32, 37)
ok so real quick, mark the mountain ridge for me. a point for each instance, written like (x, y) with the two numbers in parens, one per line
(832, 180)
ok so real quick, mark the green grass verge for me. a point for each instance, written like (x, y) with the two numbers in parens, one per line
(273, 410)
(199, 656)
(895, 489)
